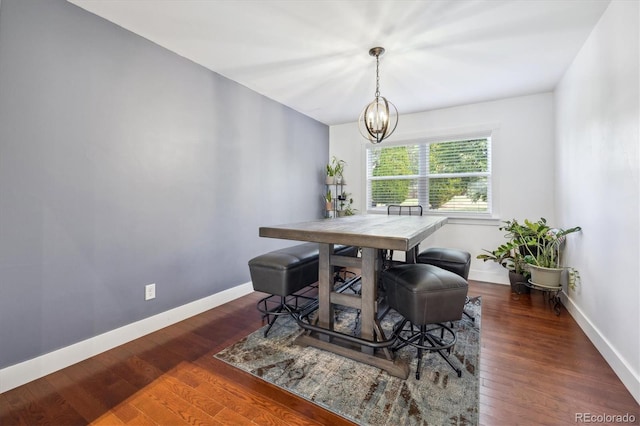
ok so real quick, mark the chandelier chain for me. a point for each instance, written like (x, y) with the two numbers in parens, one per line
(377, 76)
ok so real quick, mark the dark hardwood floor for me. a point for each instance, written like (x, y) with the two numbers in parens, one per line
(535, 368)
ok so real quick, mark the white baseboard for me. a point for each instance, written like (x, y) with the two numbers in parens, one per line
(27, 371)
(623, 369)
(489, 277)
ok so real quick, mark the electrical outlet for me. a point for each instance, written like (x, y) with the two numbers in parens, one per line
(149, 291)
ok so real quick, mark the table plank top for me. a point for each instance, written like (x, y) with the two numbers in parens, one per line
(375, 231)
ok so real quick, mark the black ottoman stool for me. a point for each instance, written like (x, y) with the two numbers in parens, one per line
(282, 273)
(454, 260)
(427, 297)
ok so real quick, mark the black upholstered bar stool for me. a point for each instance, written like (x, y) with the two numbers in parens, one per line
(285, 272)
(454, 260)
(427, 297)
(280, 274)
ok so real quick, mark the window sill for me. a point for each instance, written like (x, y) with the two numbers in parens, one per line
(457, 220)
(482, 221)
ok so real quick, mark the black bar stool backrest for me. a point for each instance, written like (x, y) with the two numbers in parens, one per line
(397, 209)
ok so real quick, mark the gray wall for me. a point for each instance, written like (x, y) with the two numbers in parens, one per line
(123, 164)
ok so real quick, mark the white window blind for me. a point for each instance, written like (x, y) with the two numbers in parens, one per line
(443, 176)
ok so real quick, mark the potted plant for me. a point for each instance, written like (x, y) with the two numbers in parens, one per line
(348, 210)
(542, 247)
(328, 198)
(334, 171)
(338, 169)
(345, 208)
(510, 256)
(330, 175)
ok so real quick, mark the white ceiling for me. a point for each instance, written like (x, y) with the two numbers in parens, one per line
(312, 55)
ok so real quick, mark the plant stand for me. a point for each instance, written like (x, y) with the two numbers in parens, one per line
(552, 294)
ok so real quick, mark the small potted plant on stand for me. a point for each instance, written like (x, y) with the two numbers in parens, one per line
(330, 180)
(338, 168)
(542, 247)
(328, 199)
(345, 208)
(334, 171)
(349, 210)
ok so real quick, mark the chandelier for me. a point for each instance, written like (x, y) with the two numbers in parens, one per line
(380, 118)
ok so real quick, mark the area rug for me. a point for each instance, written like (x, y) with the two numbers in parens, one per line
(361, 393)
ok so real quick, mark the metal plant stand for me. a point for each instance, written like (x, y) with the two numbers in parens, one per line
(552, 294)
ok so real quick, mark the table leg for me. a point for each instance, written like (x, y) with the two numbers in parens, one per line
(325, 308)
(369, 293)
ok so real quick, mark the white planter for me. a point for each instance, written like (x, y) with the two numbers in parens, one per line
(546, 277)
(330, 180)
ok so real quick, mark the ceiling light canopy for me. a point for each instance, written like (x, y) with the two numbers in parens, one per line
(380, 118)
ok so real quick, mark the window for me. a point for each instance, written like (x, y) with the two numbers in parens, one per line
(451, 176)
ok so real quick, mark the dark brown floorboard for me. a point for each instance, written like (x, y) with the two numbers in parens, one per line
(535, 368)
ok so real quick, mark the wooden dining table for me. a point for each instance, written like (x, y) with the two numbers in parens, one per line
(372, 233)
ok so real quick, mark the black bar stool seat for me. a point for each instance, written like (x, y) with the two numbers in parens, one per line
(427, 297)
(454, 260)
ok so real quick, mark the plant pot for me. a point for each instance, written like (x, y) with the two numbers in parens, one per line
(518, 283)
(546, 277)
(330, 180)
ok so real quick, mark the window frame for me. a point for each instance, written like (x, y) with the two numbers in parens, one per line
(490, 132)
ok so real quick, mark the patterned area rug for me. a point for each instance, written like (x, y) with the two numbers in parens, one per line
(361, 393)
